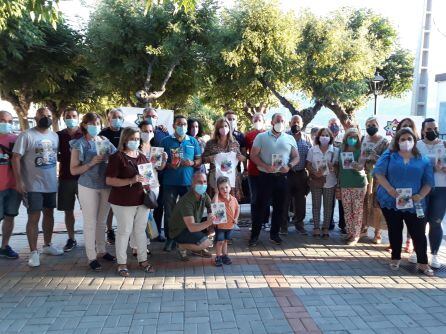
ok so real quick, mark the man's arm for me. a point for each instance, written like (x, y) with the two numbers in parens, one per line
(192, 226)
(255, 158)
(295, 158)
(16, 168)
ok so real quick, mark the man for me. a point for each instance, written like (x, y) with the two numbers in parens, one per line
(184, 153)
(272, 175)
(231, 116)
(9, 196)
(298, 177)
(185, 223)
(34, 166)
(67, 190)
(160, 132)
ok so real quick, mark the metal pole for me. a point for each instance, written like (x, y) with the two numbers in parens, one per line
(374, 110)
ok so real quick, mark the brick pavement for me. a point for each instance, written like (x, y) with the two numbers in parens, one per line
(306, 285)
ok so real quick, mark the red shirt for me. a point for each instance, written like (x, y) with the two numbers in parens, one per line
(249, 140)
(64, 153)
(7, 179)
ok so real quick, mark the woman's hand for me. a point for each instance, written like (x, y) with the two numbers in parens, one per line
(187, 163)
(97, 159)
(137, 178)
(241, 157)
(392, 192)
(164, 156)
(417, 198)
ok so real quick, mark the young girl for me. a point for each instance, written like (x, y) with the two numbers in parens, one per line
(223, 232)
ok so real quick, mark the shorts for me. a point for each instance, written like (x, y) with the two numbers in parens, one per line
(10, 201)
(66, 195)
(39, 201)
(222, 235)
(187, 237)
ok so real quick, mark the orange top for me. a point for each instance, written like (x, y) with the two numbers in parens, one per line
(232, 211)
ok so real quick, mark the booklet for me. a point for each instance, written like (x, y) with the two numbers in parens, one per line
(146, 170)
(347, 159)
(219, 211)
(440, 156)
(156, 156)
(102, 146)
(367, 150)
(404, 199)
(277, 161)
(322, 166)
(176, 155)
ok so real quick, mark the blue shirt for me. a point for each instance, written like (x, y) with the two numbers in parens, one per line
(94, 177)
(415, 174)
(270, 144)
(188, 149)
(158, 136)
(303, 146)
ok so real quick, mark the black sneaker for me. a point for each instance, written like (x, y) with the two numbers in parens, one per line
(160, 238)
(70, 245)
(109, 257)
(95, 265)
(253, 242)
(169, 246)
(276, 240)
(8, 253)
(218, 261)
(226, 260)
(111, 237)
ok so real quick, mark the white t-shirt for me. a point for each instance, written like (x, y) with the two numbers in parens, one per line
(429, 151)
(316, 157)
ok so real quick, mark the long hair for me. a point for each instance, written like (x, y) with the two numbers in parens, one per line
(191, 121)
(347, 134)
(125, 135)
(88, 118)
(412, 126)
(395, 145)
(218, 124)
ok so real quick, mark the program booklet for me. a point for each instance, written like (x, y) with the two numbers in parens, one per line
(277, 161)
(440, 156)
(102, 146)
(322, 166)
(404, 199)
(219, 211)
(146, 170)
(156, 156)
(367, 150)
(347, 159)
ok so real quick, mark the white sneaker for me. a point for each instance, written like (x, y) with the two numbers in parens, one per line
(34, 259)
(435, 263)
(413, 258)
(51, 250)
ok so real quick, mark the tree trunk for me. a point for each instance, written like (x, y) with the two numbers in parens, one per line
(21, 106)
(346, 117)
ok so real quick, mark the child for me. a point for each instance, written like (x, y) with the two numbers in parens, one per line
(223, 232)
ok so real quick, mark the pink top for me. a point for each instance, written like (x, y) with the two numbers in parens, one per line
(7, 180)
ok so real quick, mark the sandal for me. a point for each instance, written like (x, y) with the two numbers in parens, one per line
(427, 271)
(395, 264)
(123, 272)
(146, 267)
(316, 232)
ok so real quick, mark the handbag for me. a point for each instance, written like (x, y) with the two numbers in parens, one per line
(151, 229)
(318, 182)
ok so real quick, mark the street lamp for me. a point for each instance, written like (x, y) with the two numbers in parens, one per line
(376, 84)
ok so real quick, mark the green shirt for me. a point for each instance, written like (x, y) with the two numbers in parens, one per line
(351, 178)
(187, 206)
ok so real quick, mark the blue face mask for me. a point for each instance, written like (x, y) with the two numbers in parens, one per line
(116, 123)
(133, 145)
(352, 141)
(93, 130)
(71, 123)
(151, 120)
(334, 128)
(200, 189)
(5, 128)
(181, 130)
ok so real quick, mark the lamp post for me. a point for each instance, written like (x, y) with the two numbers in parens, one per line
(376, 84)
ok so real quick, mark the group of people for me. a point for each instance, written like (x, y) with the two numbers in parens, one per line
(403, 181)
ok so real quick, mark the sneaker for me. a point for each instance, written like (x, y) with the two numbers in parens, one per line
(253, 242)
(377, 240)
(435, 263)
(182, 253)
(111, 237)
(70, 245)
(160, 239)
(413, 258)
(169, 245)
(34, 259)
(226, 260)
(51, 250)
(8, 253)
(352, 241)
(95, 265)
(283, 231)
(275, 240)
(203, 253)
(301, 230)
(109, 257)
(218, 261)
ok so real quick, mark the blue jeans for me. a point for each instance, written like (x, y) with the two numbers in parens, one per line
(436, 209)
(170, 197)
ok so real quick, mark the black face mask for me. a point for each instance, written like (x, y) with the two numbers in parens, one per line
(45, 122)
(372, 130)
(431, 135)
(295, 129)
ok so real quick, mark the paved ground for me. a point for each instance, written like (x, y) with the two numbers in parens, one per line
(307, 285)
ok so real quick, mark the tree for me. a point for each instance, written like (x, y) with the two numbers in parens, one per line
(37, 10)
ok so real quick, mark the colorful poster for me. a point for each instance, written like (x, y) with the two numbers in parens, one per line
(102, 146)
(146, 170)
(225, 165)
(347, 159)
(219, 212)
(404, 198)
(156, 156)
(322, 166)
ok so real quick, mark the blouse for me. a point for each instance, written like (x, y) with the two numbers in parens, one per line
(212, 148)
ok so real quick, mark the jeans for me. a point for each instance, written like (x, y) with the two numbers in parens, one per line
(436, 209)
(416, 227)
(254, 190)
(170, 197)
(273, 188)
(298, 191)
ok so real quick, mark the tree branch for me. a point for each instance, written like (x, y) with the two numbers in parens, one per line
(156, 94)
(147, 83)
(287, 104)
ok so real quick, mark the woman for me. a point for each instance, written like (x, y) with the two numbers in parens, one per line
(373, 146)
(195, 129)
(322, 160)
(434, 148)
(92, 189)
(222, 141)
(352, 183)
(127, 199)
(402, 169)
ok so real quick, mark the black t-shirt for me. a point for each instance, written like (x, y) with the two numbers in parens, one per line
(111, 135)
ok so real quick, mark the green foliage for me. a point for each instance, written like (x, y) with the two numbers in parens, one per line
(37, 10)
(196, 108)
(187, 5)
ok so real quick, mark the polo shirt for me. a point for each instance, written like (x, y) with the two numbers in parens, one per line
(189, 149)
(158, 136)
(269, 145)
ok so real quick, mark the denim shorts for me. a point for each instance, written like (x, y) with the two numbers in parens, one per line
(222, 235)
(10, 201)
(187, 237)
(39, 201)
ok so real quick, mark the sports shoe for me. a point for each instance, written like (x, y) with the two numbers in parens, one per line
(70, 245)
(182, 253)
(111, 237)
(203, 253)
(377, 239)
(413, 258)
(275, 240)
(301, 230)
(283, 231)
(34, 259)
(8, 253)
(435, 263)
(51, 250)
(95, 265)
(226, 260)
(253, 242)
(218, 261)
(352, 241)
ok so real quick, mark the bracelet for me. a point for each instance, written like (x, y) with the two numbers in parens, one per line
(130, 183)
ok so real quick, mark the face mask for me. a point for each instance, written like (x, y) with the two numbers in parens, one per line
(372, 130)
(223, 131)
(45, 122)
(279, 127)
(258, 125)
(93, 130)
(116, 123)
(151, 120)
(133, 145)
(71, 123)
(324, 140)
(295, 129)
(406, 146)
(5, 128)
(180, 130)
(146, 136)
(334, 128)
(200, 189)
(233, 124)
(352, 141)
(431, 135)
(193, 132)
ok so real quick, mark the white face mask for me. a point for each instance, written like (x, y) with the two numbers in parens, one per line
(324, 140)
(233, 124)
(258, 125)
(146, 136)
(407, 146)
(279, 127)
